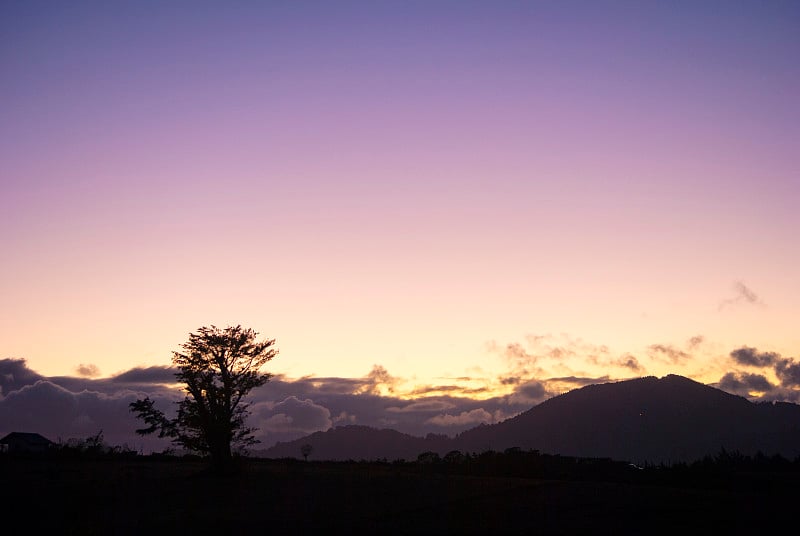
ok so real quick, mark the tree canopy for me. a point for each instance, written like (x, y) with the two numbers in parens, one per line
(218, 368)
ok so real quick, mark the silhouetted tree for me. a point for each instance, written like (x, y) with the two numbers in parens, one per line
(428, 457)
(219, 367)
(305, 450)
(454, 456)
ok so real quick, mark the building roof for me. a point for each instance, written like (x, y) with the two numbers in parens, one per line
(28, 438)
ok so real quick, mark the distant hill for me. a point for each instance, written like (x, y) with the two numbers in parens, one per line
(671, 419)
(359, 443)
(648, 419)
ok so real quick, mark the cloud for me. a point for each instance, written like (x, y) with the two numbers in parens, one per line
(629, 362)
(531, 392)
(571, 382)
(474, 390)
(515, 352)
(87, 370)
(282, 409)
(784, 394)
(533, 389)
(522, 359)
(344, 418)
(451, 389)
(285, 409)
(15, 374)
(743, 383)
(695, 341)
(378, 410)
(510, 380)
(427, 389)
(58, 413)
(292, 417)
(425, 405)
(743, 295)
(667, 352)
(786, 368)
(341, 386)
(379, 374)
(753, 358)
(377, 378)
(788, 371)
(160, 375)
(473, 417)
(538, 353)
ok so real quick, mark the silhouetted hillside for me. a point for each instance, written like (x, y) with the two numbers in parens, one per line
(359, 443)
(666, 420)
(646, 420)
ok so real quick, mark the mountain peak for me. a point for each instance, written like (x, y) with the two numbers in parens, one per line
(645, 419)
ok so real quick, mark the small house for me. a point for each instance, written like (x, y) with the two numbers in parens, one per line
(24, 442)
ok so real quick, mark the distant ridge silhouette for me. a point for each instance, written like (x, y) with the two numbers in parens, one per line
(645, 420)
(355, 442)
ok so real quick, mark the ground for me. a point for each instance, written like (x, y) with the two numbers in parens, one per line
(140, 496)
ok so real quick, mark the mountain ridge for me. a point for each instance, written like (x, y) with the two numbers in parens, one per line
(641, 420)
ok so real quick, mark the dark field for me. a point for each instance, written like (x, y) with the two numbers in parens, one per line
(141, 495)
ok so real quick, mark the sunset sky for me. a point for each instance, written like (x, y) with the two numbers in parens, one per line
(472, 195)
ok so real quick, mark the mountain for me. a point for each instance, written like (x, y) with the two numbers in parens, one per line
(359, 443)
(647, 419)
(669, 419)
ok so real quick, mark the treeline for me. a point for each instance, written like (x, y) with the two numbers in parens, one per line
(91, 447)
(723, 467)
(515, 462)
(512, 462)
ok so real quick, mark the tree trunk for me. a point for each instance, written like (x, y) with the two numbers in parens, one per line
(221, 457)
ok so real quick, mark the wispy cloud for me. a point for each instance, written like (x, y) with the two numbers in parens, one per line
(629, 362)
(668, 353)
(465, 418)
(509, 380)
(542, 355)
(431, 389)
(425, 405)
(695, 342)
(743, 295)
(380, 377)
(566, 383)
(157, 374)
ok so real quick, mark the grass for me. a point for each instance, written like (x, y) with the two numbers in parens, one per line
(143, 495)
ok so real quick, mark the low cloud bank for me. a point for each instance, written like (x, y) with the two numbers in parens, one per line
(756, 386)
(67, 407)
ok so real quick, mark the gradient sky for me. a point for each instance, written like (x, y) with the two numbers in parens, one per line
(459, 192)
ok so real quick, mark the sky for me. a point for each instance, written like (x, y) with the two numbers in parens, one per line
(476, 196)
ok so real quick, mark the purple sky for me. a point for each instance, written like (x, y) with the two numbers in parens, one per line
(458, 192)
